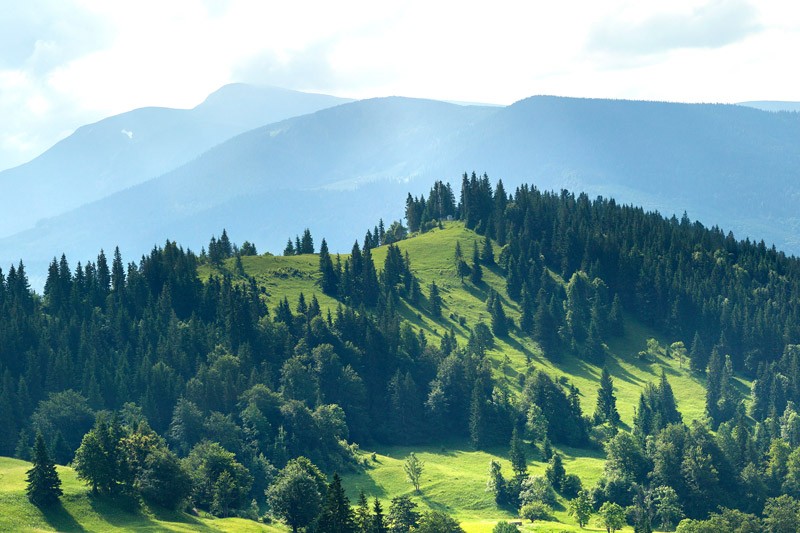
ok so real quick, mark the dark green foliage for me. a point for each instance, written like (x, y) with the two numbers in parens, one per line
(606, 408)
(487, 252)
(377, 522)
(517, 454)
(44, 485)
(336, 515)
(656, 409)
(330, 279)
(163, 479)
(402, 516)
(555, 472)
(435, 300)
(475, 271)
(296, 495)
(64, 416)
(565, 422)
(206, 463)
(100, 460)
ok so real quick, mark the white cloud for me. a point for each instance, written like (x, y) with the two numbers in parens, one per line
(69, 62)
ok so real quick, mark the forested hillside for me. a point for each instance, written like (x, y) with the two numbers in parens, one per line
(487, 318)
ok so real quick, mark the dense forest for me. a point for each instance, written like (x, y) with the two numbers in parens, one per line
(151, 380)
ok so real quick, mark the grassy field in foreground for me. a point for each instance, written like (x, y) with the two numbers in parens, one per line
(81, 511)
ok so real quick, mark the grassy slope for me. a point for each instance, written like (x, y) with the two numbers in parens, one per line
(455, 475)
(80, 511)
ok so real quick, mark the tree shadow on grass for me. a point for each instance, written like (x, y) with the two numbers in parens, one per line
(436, 506)
(170, 515)
(128, 512)
(59, 518)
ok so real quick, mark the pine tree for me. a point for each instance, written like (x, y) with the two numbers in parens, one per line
(307, 244)
(362, 514)
(329, 281)
(555, 471)
(476, 272)
(435, 300)
(377, 524)
(487, 253)
(517, 454)
(336, 515)
(289, 250)
(44, 485)
(606, 409)
(499, 319)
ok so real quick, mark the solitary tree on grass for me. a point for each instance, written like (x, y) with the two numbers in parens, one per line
(44, 485)
(413, 468)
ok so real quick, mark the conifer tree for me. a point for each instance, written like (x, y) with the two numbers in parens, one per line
(377, 524)
(476, 272)
(555, 471)
(307, 244)
(487, 252)
(499, 319)
(435, 300)
(329, 281)
(336, 515)
(289, 249)
(517, 454)
(44, 485)
(606, 409)
(362, 515)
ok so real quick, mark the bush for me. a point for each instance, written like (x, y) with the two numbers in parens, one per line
(535, 511)
(571, 486)
(505, 527)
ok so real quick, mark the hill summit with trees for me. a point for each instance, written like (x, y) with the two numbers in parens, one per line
(230, 382)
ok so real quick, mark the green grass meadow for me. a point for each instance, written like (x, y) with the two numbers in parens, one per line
(79, 510)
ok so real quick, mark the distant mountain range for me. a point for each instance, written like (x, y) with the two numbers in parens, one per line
(124, 150)
(343, 167)
(773, 105)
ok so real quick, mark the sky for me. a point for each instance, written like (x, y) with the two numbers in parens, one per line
(65, 63)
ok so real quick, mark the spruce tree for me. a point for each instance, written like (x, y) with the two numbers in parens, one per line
(336, 515)
(44, 485)
(499, 319)
(476, 273)
(289, 250)
(377, 524)
(487, 253)
(329, 281)
(435, 300)
(307, 244)
(606, 409)
(517, 454)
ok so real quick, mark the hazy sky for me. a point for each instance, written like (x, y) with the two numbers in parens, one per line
(64, 63)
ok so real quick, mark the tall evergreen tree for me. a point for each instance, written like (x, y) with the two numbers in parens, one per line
(329, 281)
(476, 271)
(44, 485)
(435, 300)
(606, 409)
(336, 515)
(487, 252)
(517, 454)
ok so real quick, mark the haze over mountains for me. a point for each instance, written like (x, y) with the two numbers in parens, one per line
(337, 170)
(123, 150)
